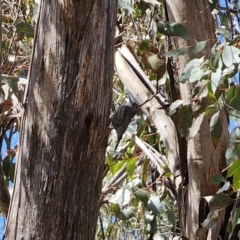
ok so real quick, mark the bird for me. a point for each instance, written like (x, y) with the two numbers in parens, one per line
(122, 117)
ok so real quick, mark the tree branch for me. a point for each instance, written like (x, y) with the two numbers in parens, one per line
(142, 89)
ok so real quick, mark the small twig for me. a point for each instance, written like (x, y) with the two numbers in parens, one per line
(149, 99)
(158, 179)
(135, 26)
(229, 16)
(111, 228)
(152, 154)
(101, 224)
(235, 11)
(121, 174)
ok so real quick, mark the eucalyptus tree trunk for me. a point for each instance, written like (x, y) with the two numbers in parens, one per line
(203, 159)
(65, 128)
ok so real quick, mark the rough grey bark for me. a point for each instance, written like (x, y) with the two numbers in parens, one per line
(65, 129)
(203, 159)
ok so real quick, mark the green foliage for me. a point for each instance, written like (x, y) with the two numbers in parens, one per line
(125, 5)
(217, 179)
(190, 70)
(172, 29)
(177, 52)
(223, 31)
(174, 106)
(131, 166)
(219, 200)
(126, 213)
(230, 55)
(145, 32)
(24, 29)
(212, 219)
(199, 46)
(142, 195)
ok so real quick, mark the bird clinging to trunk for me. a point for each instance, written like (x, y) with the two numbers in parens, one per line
(122, 117)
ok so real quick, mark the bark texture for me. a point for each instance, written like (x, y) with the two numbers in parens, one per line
(4, 194)
(203, 159)
(65, 130)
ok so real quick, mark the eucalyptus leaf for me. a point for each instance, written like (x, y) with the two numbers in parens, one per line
(109, 161)
(115, 208)
(199, 47)
(219, 200)
(196, 126)
(196, 62)
(127, 213)
(178, 30)
(235, 167)
(217, 179)
(224, 32)
(117, 166)
(26, 28)
(210, 110)
(215, 79)
(122, 197)
(236, 180)
(196, 74)
(211, 220)
(230, 94)
(154, 205)
(142, 195)
(230, 55)
(177, 52)
(235, 40)
(125, 5)
(174, 106)
(131, 166)
(172, 29)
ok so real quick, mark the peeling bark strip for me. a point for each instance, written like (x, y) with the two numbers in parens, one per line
(65, 131)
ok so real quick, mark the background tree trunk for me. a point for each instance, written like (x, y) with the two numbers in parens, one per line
(65, 130)
(203, 159)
